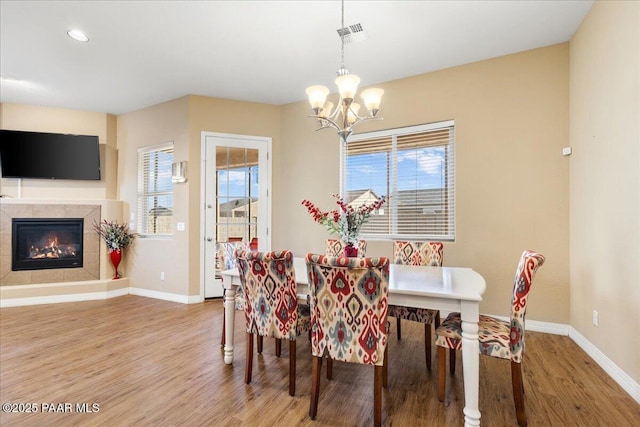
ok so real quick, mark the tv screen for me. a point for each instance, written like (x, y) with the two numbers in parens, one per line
(49, 155)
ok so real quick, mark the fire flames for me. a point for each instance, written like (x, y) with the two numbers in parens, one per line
(51, 249)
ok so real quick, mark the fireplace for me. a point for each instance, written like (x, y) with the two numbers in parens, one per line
(42, 243)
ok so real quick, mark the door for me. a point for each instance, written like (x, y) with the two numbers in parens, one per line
(236, 198)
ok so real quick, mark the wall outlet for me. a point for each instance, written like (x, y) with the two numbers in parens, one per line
(595, 318)
(162, 275)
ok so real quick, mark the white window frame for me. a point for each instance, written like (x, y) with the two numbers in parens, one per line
(142, 194)
(391, 205)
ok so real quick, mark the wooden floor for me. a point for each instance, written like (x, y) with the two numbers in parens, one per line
(147, 362)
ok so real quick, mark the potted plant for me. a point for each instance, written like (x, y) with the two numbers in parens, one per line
(117, 237)
(345, 221)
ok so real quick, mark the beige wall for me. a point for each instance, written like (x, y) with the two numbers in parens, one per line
(159, 124)
(511, 122)
(182, 121)
(605, 181)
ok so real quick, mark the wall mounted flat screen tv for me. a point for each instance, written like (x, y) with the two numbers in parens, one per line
(49, 155)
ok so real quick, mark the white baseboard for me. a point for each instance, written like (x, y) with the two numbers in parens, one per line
(614, 371)
(54, 299)
(184, 299)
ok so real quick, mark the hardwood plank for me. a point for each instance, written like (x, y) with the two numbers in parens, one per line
(152, 362)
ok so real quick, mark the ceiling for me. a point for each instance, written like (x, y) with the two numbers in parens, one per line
(142, 53)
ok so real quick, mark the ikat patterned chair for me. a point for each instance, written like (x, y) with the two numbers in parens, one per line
(498, 338)
(349, 298)
(417, 253)
(336, 248)
(226, 261)
(271, 304)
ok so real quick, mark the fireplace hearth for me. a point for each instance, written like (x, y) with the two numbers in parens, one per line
(43, 243)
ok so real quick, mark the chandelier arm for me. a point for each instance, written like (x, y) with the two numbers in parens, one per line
(365, 119)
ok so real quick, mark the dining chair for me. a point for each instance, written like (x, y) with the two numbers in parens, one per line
(349, 298)
(226, 261)
(498, 338)
(335, 247)
(417, 253)
(271, 304)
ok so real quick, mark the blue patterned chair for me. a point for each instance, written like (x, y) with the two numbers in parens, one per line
(335, 247)
(498, 338)
(225, 259)
(271, 304)
(417, 253)
(349, 298)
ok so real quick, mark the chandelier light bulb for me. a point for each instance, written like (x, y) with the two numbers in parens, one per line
(348, 85)
(372, 98)
(352, 113)
(317, 96)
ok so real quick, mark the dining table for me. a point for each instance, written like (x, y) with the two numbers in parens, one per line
(447, 289)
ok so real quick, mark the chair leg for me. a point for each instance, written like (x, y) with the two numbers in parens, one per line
(441, 376)
(427, 344)
(260, 341)
(377, 396)
(329, 368)
(248, 367)
(278, 347)
(518, 392)
(385, 369)
(452, 361)
(399, 328)
(315, 386)
(292, 367)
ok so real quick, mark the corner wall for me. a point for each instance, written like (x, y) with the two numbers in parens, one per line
(605, 181)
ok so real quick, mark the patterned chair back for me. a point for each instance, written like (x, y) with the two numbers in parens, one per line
(349, 303)
(418, 253)
(225, 254)
(335, 247)
(269, 282)
(529, 263)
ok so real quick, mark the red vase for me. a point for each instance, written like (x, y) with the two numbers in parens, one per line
(350, 251)
(116, 257)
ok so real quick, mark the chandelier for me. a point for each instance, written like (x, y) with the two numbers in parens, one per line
(345, 115)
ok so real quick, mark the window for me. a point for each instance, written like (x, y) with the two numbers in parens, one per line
(414, 168)
(155, 190)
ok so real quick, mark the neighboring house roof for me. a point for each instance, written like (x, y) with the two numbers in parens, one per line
(161, 211)
(237, 203)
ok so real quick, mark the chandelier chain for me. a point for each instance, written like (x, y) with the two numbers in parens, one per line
(342, 36)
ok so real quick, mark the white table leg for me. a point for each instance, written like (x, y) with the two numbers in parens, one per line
(470, 362)
(229, 320)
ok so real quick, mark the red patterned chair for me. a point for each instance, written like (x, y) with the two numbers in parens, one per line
(271, 304)
(498, 338)
(417, 253)
(349, 298)
(335, 247)
(226, 261)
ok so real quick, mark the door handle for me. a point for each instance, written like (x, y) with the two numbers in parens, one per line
(209, 239)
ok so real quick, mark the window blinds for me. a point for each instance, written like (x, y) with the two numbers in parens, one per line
(155, 190)
(414, 168)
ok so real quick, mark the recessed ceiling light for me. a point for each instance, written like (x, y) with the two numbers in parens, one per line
(78, 35)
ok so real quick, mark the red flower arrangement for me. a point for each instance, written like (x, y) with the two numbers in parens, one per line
(345, 221)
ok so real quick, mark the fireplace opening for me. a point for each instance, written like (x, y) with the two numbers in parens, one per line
(42, 243)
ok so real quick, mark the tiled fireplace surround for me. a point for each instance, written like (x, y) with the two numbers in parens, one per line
(91, 242)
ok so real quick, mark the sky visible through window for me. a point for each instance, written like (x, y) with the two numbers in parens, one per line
(422, 168)
(232, 183)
